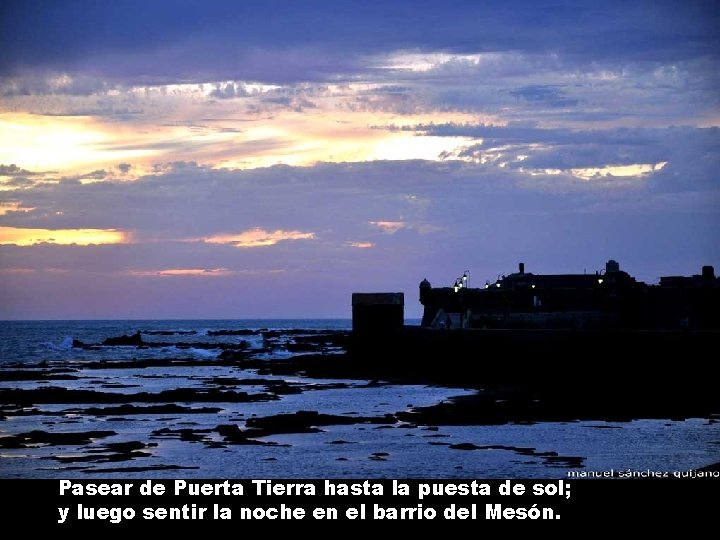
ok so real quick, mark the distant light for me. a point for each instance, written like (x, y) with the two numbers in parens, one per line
(497, 284)
(533, 285)
(456, 288)
(600, 281)
(487, 286)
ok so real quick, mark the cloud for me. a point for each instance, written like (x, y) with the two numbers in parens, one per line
(378, 142)
(361, 245)
(320, 39)
(14, 170)
(258, 238)
(53, 84)
(12, 206)
(675, 158)
(229, 90)
(457, 215)
(545, 94)
(81, 237)
(183, 272)
(389, 227)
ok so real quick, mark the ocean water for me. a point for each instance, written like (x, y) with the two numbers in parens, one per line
(37, 341)
(122, 434)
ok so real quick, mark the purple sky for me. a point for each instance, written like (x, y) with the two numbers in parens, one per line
(222, 159)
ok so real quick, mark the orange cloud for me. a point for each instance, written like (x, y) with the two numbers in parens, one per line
(184, 272)
(389, 227)
(258, 237)
(80, 237)
(362, 245)
(6, 207)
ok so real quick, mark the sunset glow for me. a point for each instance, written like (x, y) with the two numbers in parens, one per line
(183, 272)
(148, 148)
(80, 237)
(389, 226)
(258, 238)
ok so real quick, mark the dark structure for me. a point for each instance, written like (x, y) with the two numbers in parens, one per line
(611, 299)
(378, 312)
(584, 345)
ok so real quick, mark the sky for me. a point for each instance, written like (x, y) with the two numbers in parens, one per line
(222, 159)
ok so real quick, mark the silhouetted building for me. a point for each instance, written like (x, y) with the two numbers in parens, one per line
(378, 312)
(608, 299)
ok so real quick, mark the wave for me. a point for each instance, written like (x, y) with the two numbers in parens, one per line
(66, 344)
(210, 354)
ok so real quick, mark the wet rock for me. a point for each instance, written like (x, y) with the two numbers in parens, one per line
(117, 385)
(215, 444)
(110, 452)
(35, 375)
(240, 332)
(233, 434)
(134, 339)
(713, 467)
(31, 438)
(564, 461)
(465, 446)
(303, 347)
(284, 388)
(128, 446)
(230, 381)
(190, 435)
(233, 355)
(183, 434)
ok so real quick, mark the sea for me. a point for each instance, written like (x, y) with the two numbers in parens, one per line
(74, 407)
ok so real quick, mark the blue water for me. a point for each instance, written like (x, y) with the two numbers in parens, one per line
(338, 451)
(36, 341)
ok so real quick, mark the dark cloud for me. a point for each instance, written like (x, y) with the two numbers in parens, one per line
(279, 100)
(690, 153)
(35, 83)
(229, 90)
(276, 40)
(19, 182)
(459, 216)
(546, 94)
(98, 174)
(14, 170)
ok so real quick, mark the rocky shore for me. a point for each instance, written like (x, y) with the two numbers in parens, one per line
(561, 390)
